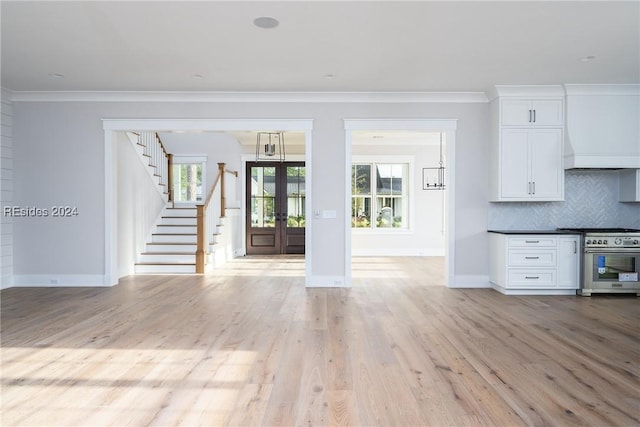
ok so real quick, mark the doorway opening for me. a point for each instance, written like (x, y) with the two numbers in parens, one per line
(275, 208)
(396, 211)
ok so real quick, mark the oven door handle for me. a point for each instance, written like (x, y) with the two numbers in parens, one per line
(612, 251)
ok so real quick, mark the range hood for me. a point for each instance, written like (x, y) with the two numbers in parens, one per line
(602, 127)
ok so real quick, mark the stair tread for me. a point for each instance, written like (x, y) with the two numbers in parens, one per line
(165, 263)
(171, 243)
(168, 253)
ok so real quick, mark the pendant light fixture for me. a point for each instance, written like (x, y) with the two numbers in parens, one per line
(270, 146)
(433, 178)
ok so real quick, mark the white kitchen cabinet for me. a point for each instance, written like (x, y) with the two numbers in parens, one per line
(534, 264)
(532, 112)
(530, 165)
(568, 261)
(527, 144)
(630, 185)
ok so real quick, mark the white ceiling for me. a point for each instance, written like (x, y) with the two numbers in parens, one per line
(365, 46)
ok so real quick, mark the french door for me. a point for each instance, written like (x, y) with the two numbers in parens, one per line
(275, 206)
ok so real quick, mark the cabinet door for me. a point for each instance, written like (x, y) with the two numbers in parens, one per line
(516, 112)
(545, 151)
(547, 112)
(568, 262)
(514, 164)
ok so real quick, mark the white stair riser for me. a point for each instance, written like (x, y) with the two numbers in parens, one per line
(180, 212)
(175, 229)
(170, 258)
(183, 220)
(165, 269)
(174, 238)
(168, 247)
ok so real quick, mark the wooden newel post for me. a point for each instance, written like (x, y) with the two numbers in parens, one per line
(223, 200)
(200, 253)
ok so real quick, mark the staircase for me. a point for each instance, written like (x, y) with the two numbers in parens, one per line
(172, 249)
(173, 245)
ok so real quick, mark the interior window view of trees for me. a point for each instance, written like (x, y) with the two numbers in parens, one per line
(187, 182)
(379, 197)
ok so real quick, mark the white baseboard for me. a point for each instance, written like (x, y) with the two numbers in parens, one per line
(397, 252)
(326, 282)
(534, 291)
(469, 281)
(6, 282)
(58, 280)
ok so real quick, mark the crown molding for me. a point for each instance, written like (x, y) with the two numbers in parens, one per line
(602, 89)
(306, 97)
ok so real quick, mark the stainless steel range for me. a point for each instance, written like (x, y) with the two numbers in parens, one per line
(611, 260)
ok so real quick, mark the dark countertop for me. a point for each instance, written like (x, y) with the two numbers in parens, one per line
(533, 232)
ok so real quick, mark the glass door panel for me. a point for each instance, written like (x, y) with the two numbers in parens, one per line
(276, 208)
(263, 196)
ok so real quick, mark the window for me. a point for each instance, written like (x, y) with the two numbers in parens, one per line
(379, 196)
(188, 175)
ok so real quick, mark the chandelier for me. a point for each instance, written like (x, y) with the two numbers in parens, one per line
(270, 146)
(433, 178)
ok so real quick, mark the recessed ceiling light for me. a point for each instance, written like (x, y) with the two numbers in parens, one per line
(329, 76)
(588, 58)
(266, 22)
(56, 75)
(197, 76)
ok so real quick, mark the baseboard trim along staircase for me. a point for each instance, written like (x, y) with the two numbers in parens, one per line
(172, 249)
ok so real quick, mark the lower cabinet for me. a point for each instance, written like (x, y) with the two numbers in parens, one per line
(534, 264)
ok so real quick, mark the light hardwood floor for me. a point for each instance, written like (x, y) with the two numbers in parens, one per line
(249, 345)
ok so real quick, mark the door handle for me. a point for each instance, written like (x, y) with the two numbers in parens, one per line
(533, 186)
(534, 116)
(575, 247)
(530, 116)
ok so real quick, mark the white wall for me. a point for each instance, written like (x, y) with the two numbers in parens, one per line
(59, 158)
(425, 236)
(6, 191)
(139, 205)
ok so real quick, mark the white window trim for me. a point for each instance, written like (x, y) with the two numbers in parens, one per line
(378, 159)
(191, 160)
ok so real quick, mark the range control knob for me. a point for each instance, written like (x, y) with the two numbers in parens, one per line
(599, 242)
(618, 241)
(604, 241)
(635, 242)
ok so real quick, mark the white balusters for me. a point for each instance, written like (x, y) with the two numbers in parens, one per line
(157, 159)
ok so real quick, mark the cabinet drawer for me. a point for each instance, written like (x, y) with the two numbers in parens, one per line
(538, 258)
(532, 242)
(532, 279)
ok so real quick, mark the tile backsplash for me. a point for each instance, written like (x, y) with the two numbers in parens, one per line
(591, 200)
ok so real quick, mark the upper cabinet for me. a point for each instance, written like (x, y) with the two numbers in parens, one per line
(534, 113)
(527, 144)
(630, 185)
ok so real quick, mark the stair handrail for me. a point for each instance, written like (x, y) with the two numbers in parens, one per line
(166, 166)
(205, 220)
